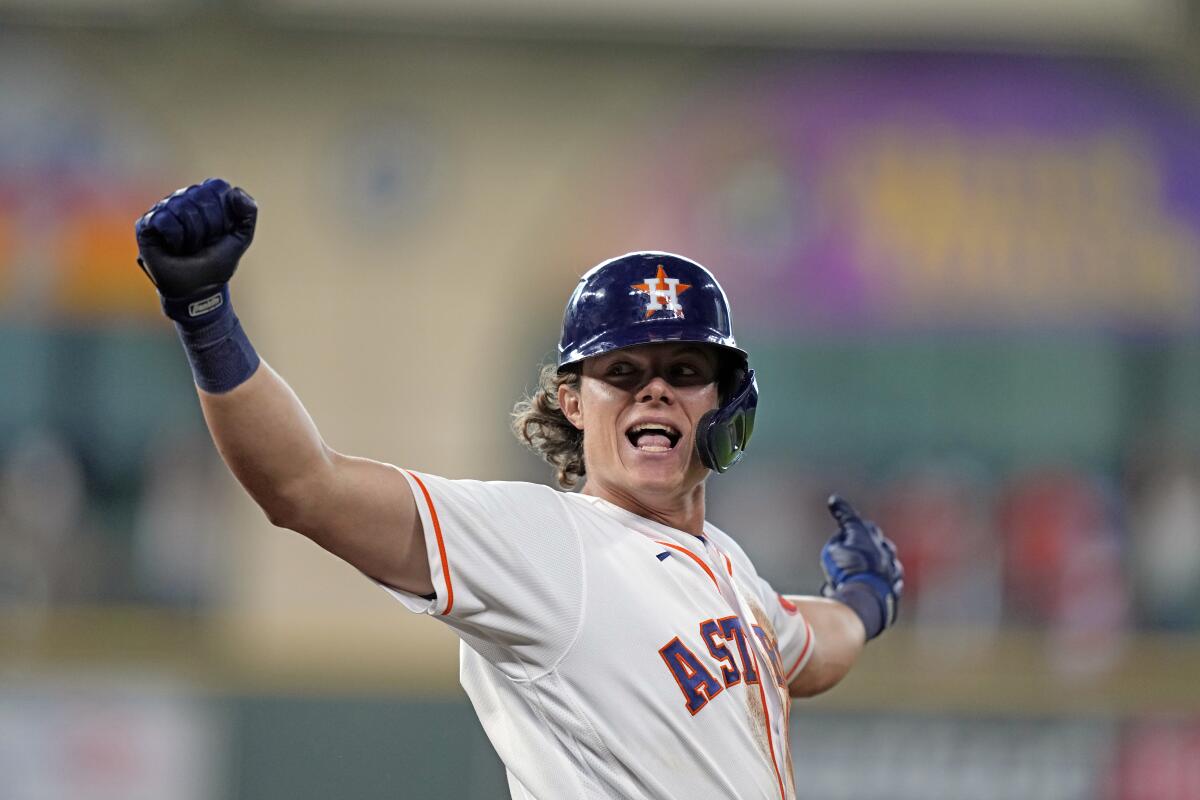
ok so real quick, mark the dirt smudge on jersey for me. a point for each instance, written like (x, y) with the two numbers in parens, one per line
(758, 718)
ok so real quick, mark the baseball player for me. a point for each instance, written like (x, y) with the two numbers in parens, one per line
(614, 643)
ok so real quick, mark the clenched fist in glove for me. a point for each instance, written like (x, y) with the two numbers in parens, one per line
(861, 569)
(189, 244)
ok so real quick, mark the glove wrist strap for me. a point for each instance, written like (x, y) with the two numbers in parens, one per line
(200, 309)
(863, 601)
(217, 348)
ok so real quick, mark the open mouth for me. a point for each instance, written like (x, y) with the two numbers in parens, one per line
(653, 437)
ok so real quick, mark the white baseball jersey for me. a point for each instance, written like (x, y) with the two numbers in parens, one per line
(606, 654)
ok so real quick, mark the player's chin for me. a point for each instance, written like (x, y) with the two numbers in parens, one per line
(654, 469)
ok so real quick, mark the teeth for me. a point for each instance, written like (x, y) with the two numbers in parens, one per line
(656, 428)
(653, 426)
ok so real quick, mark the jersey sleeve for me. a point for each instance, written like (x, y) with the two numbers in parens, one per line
(794, 635)
(506, 565)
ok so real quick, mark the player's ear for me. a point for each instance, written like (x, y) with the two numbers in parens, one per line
(568, 401)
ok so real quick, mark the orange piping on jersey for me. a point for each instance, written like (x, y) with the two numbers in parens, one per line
(762, 694)
(437, 532)
(695, 558)
(808, 637)
(787, 604)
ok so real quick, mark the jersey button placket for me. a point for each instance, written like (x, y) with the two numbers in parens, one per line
(727, 587)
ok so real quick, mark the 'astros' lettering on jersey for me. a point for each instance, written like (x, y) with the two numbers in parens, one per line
(608, 655)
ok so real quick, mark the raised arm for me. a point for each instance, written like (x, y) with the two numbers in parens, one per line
(863, 583)
(360, 510)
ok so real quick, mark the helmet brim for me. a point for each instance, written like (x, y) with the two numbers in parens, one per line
(658, 334)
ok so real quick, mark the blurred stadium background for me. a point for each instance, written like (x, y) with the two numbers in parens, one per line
(962, 242)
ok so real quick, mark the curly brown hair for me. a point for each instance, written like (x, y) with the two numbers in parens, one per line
(540, 425)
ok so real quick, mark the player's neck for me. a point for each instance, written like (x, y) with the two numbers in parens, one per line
(683, 512)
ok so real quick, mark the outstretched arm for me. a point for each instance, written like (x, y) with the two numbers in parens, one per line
(838, 639)
(361, 510)
(358, 509)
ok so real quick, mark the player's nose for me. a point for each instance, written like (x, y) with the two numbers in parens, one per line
(658, 388)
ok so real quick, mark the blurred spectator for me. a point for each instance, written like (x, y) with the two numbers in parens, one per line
(939, 516)
(51, 553)
(1165, 522)
(1159, 759)
(176, 548)
(1063, 564)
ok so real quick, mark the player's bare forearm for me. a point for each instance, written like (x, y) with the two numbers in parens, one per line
(838, 639)
(358, 509)
(270, 444)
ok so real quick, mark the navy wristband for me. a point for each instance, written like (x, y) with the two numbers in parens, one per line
(864, 602)
(221, 356)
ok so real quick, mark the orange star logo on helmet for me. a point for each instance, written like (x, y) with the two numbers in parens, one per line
(663, 293)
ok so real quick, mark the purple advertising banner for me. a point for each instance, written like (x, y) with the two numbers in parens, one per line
(929, 192)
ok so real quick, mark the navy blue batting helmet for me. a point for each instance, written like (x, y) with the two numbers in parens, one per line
(646, 297)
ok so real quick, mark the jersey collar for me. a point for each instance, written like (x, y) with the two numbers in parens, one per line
(645, 525)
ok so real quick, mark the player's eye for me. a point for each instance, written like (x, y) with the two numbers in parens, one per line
(619, 368)
(691, 372)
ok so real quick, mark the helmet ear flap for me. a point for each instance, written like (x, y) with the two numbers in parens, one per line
(723, 433)
(704, 440)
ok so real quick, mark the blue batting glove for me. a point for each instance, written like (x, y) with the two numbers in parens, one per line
(190, 242)
(189, 245)
(861, 569)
